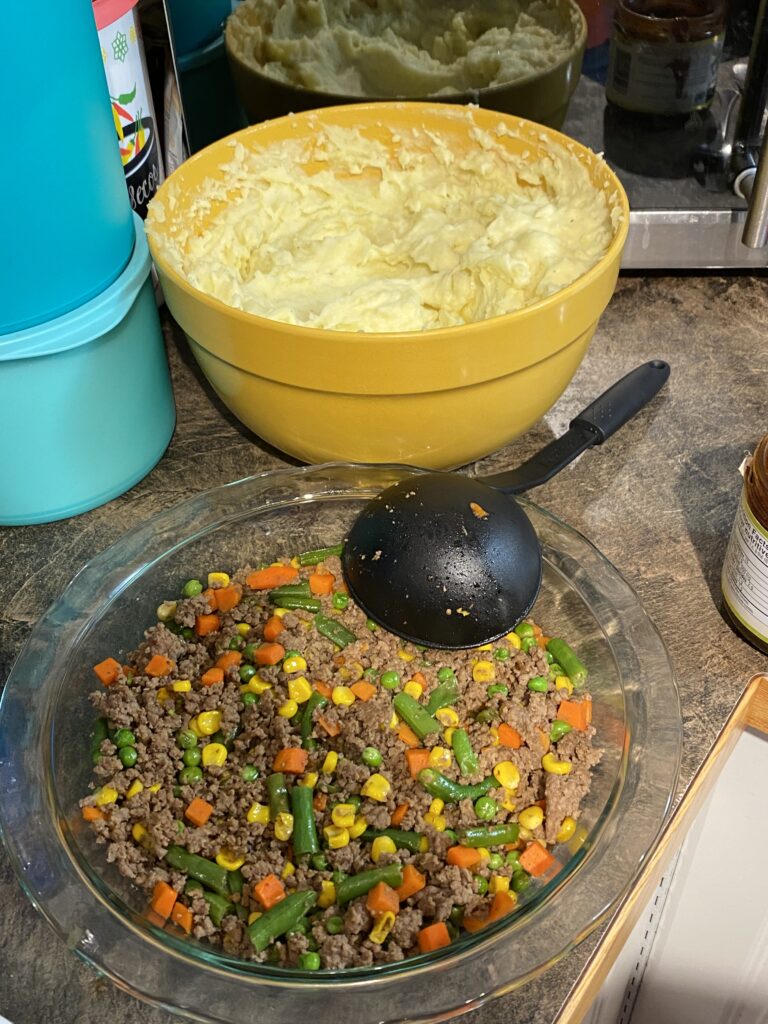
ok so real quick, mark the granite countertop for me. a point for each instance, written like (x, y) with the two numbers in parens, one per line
(659, 500)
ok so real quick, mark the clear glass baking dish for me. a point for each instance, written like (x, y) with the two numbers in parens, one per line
(45, 721)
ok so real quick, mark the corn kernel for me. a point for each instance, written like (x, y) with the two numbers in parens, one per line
(164, 694)
(229, 861)
(254, 916)
(495, 741)
(134, 789)
(256, 685)
(394, 721)
(405, 655)
(258, 814)
(447, 716)
(485, 647)
(296, 562)
(194, 725)
(483, 672)
(531, 817)
(514, 641)
(508, 803)
(551, 765)
(327, 895)
(437, 821)
(138, 832)
(439, 758)
(294, 663)
(342, 695)
(382, 927)
(309, 779)
(288, 709)
(106, 795)
(330, 762)
(214, 755)
(423, 844)
(336, 836)
(343, 815)
(507, 775)
(155, 787)
(166, 611)
(413, 688)
(567, 830)
(448, 735)
(498, 883)
(208, 722)
(181, 686)
(279, 612)
(376, 787)
(380, 846)
(299, 689)
(484, 852)
(283, 826)
(218, 579)
(437, 805)
(564, 683)
(243, 628)
(288, 870)
(360, 825)
(525, 834)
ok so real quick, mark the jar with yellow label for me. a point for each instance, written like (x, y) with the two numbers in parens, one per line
(664, 55)
(745, 569)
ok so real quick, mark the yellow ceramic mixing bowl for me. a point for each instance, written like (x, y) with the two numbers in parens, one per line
(438, 398)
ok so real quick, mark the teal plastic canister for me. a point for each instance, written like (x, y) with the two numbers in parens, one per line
(87, 401)
(67, 221)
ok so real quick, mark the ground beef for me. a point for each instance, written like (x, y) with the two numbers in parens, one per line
(152, 767)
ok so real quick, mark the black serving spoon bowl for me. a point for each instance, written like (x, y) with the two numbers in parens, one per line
(452, 561)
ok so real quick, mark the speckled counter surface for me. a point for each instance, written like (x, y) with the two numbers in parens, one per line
(658, 500)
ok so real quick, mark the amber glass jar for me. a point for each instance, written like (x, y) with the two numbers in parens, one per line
(665, 54)
(745, 569)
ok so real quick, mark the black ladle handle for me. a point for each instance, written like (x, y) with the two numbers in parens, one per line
(592, 426)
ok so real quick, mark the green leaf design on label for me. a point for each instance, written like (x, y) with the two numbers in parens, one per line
(127, 97)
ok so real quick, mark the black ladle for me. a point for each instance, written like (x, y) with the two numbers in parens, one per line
(452, 561)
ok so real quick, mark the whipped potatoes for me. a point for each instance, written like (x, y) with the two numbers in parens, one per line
(403, 232)
(402, 48)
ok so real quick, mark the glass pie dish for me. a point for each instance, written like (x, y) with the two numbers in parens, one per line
(46, 719)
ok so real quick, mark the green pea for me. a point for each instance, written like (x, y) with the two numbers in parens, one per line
(520, 880)
(501, 653)
(524, 629)
(235, 643)
(445, 673)
(528, 643)
(369, 673)
(186, 739)
(192, 588)
(249, 773)
(550, 657)
(188, 633)
(249, 651)
(180, 826)
(451, 835)
(486, 715)
(246, 673)
(190, 775)
(123, 738)
(481, 884)
(319, 862)
(456, 915)
(300, 928)
(512, 860)
(555, 669)
(559, 729)
(312, 946)
(538, 684)
(340, 601)
(177, 791)
(338, 876)
(453, 931)
(371, 625)
(389, 680)
(497, 688)
(291, 654)
(173, 627)
(249, 698)
(192, 757)
(495, 861)
(128, 756)
(486, 808)
(372, 757)
(334, 925)
(356, 800)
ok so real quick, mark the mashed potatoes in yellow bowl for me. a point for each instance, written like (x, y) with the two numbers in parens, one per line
(390, 282)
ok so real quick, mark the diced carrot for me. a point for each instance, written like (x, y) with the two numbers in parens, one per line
(212, 676)
(542, 641)
(159, 665)
(228, 658)
(319, 801)
(417, 758)
(182, 916)
(323, 688)
(535, 859)
(332, 728)
(205, 624)
(93, 814)
(419, 677)
(543, 740)
(271, 577)
(413, 882)
(463, 856)
(163, 899)
(154, 918)
(210, 595)
(321, 583)
(198, 811)
(292, 760)
(227, 598)
(269, 654)
(399, 813)
(434, 936)
(474, 922)
(107, 670)
(537, 630)
(273, 627)
(576, 713)
(509, 737)
(407, 735)
(269, 891)
(503, 903)
(381, 898)
(363, 690)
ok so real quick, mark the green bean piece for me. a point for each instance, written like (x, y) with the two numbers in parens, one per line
(489, 835)
(218, 907)
(301, 589)
(320, 554)
(414, 715)
(486, 716)
(277, 792)
(305, 841)
(193, 888)
(281, 918)
(334, 631)
(402, 839)
(319, 862)
(235, 881)
(559, 729)
(565, 655)
(445, 694)
(315, 702)
(452, 792)
(99, 734)
(358, 885)
(465, 755)
(206, 871)
(293, 602)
